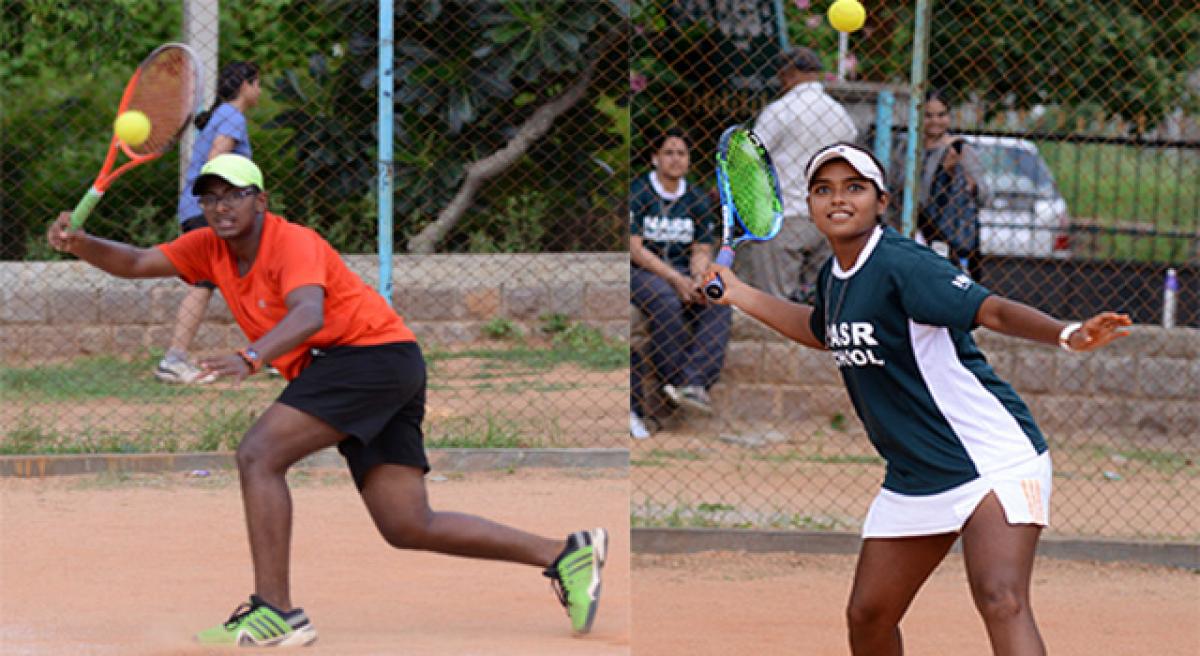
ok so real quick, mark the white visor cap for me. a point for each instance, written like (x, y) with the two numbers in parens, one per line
(858, 159)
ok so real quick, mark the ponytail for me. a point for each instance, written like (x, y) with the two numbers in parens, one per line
(229, 83)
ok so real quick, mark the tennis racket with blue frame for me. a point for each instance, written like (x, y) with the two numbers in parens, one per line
(751, 203)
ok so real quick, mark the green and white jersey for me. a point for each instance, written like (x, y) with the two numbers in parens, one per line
(898, 325)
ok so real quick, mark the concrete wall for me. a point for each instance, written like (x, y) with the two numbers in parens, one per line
(65, 309)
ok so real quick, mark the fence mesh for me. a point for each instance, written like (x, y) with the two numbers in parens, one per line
(1079, 123)
(510, 136)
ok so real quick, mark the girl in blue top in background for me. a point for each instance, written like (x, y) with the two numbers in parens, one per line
(964, 455)
(222, 129)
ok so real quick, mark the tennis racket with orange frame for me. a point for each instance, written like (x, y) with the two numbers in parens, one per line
(166, 87)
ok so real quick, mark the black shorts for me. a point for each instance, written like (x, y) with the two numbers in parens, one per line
(374, 394)
(188, 225)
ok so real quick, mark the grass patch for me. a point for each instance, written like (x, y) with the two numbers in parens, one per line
(590, 350)
(723, 515)
(676, 454)
(488, 432)
(801, 522)
(1125, 185)
(1131, 460)
(32, 440)
(659, 457)
(91, 377)
(846, 459)
(703, 515)
(501, 328)
(222, 428)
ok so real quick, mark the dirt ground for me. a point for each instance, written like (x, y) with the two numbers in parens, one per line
(136, 564)
(724, 603)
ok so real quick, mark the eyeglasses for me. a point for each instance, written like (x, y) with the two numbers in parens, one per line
(229, 199)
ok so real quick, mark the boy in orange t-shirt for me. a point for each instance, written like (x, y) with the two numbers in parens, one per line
(356, 378)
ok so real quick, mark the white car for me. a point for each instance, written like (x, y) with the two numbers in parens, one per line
(1027, 216)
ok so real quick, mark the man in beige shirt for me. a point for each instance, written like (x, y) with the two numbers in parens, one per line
(794, 127)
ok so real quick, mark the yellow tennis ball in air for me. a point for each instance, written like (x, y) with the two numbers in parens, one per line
(132, 127)
(847, 15)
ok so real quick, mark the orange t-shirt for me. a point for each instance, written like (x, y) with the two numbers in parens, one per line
(289, 256)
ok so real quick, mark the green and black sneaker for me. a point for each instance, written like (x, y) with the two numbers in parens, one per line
(259, 624)
(575, 576)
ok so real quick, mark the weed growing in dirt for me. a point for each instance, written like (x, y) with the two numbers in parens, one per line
(487, 432)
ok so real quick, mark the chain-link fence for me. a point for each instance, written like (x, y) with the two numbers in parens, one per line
(1060, 165)
(510, 136)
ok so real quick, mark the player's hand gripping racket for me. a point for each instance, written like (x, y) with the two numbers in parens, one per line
(751, 204)
(166, 88)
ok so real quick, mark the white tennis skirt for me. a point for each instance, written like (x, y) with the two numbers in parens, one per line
(1023, 490)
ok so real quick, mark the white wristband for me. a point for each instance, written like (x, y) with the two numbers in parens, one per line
(1064, 338)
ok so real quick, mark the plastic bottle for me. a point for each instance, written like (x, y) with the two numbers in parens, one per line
(1170, 292)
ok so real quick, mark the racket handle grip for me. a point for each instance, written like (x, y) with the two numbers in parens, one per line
(715, 288)
(85, 207)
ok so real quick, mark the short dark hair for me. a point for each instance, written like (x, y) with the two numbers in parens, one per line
(805, 60)
(939, 94)
(676, 132)
(661, 140)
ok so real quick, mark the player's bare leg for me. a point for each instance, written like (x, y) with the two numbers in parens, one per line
(280, 438)
(888, 575)
(999, 558)
(396, 498)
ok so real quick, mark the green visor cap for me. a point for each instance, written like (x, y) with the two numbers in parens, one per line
(234, 169)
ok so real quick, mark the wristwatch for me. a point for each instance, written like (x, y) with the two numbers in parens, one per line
(252, 358)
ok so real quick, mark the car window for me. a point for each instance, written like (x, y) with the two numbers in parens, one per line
(1015, 170)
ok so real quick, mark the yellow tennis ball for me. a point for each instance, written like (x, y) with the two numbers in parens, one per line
(847, 15)
(132, 127)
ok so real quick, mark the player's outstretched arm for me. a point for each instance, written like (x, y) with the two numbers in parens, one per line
(1019, 320)
(121, 260)
(784, 317)
(305, 316)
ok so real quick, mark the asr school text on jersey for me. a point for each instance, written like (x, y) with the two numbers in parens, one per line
(667, 228)
(849, 342)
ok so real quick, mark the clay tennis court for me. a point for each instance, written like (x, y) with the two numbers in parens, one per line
(134, 564)
(793, 604)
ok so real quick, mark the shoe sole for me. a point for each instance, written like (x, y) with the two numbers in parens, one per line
(599, 556)
(694, 405)
(303, 637)
(172, 378)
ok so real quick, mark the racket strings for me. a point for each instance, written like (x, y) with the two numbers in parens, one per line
(165, 92)
(752, 191)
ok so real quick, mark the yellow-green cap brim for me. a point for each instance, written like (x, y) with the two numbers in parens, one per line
(236, 170)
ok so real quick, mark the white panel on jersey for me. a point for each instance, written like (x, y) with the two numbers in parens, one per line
(989, 433)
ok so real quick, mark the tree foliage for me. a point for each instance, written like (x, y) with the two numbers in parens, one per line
(1128, 60)
(468, 72)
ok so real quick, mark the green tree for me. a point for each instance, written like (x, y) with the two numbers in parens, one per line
(470, 77)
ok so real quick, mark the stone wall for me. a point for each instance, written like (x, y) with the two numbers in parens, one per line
(65, 309)
(1146, 385)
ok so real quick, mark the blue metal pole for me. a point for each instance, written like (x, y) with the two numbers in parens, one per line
(386, 170)
(781, 25)
(916, 102)
(884, 108)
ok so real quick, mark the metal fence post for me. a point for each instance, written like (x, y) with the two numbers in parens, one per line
(915, 119)
(384, 200)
